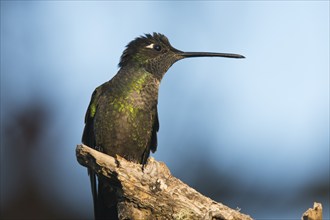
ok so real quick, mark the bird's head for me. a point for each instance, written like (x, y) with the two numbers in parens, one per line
(156, 54)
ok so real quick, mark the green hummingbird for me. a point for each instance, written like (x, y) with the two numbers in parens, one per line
(122, 115)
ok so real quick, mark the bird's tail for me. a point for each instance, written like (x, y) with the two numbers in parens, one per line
(104, 198)
(92, 177)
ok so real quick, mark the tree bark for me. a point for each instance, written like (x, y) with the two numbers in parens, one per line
(314, 213)
(151, 192)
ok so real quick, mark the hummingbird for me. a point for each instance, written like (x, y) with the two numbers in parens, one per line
(122, 117)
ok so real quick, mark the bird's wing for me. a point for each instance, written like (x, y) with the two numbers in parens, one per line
(88, 138)
(152, 144)
(155, 128)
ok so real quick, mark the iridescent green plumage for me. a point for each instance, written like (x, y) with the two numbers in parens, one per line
(126, 113)
(122, 115)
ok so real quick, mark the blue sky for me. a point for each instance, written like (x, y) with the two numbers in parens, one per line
(264, 118)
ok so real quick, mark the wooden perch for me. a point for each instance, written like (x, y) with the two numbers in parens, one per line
(314, 213)
(153, 193)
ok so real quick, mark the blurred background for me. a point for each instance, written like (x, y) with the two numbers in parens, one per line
(252, 133)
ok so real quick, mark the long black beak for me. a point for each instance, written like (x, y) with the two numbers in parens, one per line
(209, 54)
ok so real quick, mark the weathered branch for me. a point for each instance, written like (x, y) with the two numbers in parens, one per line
(314, 213)
(152, 192)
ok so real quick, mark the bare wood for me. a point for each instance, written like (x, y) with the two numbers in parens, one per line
(152, 192)
(314, 213)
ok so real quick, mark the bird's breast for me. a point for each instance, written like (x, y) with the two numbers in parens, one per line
(124, 120)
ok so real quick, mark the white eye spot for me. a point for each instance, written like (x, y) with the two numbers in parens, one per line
(150, 46)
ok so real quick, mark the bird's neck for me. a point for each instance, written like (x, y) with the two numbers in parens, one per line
(137, 82)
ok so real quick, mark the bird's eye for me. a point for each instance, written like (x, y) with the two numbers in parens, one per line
(157, 47)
